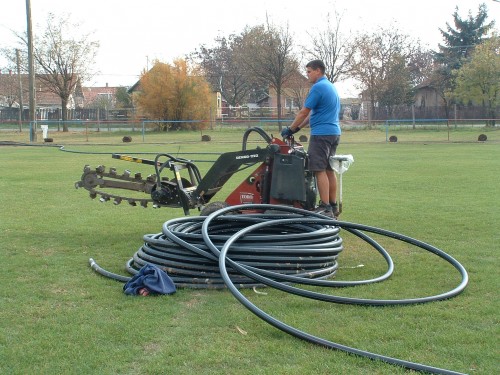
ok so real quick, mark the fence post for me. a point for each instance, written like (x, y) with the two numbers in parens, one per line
(98, 120)
(211, 119)
(455, 114)
(386, 131)
(413, 114)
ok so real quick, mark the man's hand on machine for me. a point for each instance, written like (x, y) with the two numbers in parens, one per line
(287, 132)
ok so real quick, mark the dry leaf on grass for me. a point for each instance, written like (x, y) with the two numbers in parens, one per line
(256, 291)
(241, 331)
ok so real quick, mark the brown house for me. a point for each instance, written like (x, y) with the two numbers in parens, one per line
(93, 97)
(293, 94)
(427, 96)
(14, 89)
(48, 104)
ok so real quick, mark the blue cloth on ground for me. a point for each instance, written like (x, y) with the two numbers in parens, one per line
(152, 278)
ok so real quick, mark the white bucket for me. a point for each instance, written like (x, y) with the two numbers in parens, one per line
(45, 130)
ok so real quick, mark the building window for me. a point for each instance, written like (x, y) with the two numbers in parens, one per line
(290, 103)
(105, 96)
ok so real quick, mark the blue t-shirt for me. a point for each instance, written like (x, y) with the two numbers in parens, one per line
(324, 103)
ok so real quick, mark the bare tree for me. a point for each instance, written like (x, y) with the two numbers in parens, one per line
(299, 87)
(334, 48)
(397, 87)
(421, 64)
(11, 88)
(221, 70)
(63, 61)
(375, 58)
(266, 53)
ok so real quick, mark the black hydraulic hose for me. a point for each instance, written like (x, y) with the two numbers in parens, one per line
(258, 130)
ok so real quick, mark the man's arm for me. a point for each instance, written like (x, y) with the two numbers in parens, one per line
(301, 120)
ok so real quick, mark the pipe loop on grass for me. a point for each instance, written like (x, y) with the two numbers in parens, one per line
(282, 249)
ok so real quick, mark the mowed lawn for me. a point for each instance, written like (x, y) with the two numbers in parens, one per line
(57, 316)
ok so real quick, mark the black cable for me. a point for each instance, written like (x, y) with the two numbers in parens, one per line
(354, 228)
(62, 148)
(279, 250)
(103, 272)
(309, 252)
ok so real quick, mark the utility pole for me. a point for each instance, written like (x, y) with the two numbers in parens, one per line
(31, 67)
(21, 105)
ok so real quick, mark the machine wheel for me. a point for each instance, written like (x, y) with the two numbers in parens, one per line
(212, 207)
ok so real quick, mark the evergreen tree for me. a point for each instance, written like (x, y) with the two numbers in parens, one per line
(459, 43)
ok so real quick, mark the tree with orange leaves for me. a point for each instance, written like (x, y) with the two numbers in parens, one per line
(174, 92)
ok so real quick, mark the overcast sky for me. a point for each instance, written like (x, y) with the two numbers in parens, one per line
(133, 33)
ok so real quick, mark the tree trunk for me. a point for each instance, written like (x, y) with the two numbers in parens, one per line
(64, 103)
(278, 98)
(372, 107)
(492, 115)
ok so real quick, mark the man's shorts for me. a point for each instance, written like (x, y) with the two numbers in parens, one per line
(321, 147)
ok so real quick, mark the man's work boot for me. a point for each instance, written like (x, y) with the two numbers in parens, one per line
(335, 209)
(324, 209)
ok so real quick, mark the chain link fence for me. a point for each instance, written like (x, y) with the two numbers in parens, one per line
(409, 130)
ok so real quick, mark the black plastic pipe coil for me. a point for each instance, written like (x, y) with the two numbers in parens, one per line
(303, 250)
(279, 250)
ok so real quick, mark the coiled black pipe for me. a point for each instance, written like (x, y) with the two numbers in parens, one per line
(309, 251)
(354, 228)
(277, 250)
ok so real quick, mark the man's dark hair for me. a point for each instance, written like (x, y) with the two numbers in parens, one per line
(316, 64)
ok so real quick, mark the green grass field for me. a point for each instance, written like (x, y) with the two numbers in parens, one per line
(58, 316)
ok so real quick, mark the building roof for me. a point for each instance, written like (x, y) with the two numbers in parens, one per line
(91, 94)
(9, 88)
(9, 92)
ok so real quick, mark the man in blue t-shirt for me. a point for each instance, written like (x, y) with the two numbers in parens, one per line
(321, 112)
